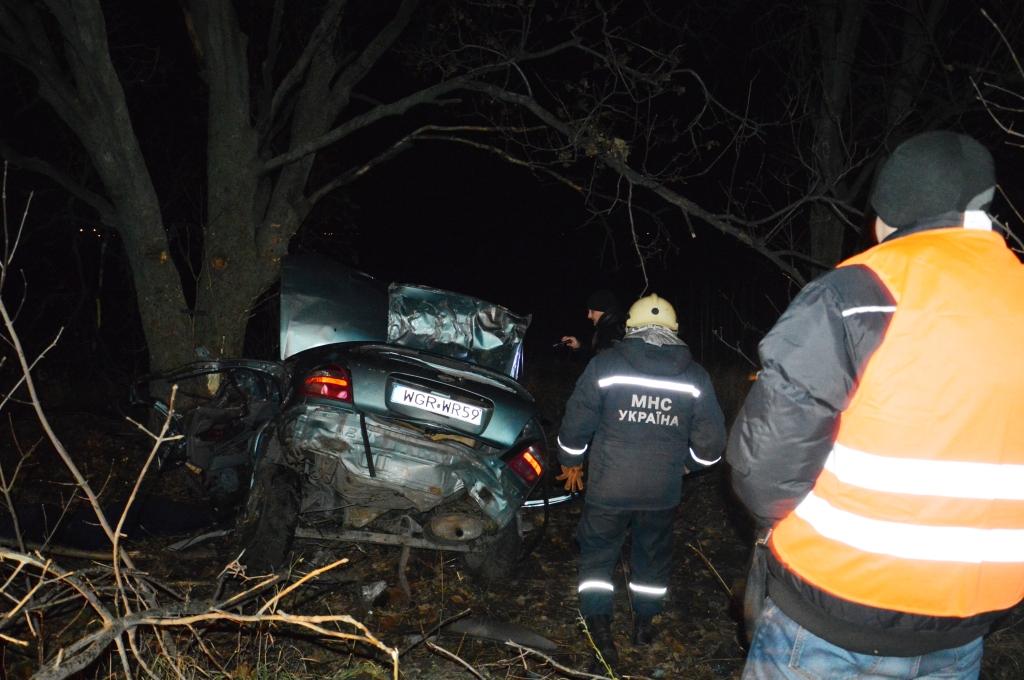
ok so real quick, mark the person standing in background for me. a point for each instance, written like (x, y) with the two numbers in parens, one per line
(604, 312)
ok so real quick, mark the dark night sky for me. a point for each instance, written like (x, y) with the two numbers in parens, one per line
(480, 226)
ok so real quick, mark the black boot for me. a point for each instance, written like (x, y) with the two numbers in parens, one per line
(644, 631)
(600, 628)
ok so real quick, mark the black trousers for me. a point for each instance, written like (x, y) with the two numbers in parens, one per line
(600, 534)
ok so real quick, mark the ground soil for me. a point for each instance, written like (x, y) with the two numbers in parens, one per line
(699, 634)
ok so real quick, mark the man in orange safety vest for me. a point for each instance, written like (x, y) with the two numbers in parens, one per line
(883, 444)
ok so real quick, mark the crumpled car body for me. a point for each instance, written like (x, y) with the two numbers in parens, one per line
(394, 416)
(414, 431)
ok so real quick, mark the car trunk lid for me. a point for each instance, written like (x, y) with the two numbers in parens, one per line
(324, 302)
(437, 391)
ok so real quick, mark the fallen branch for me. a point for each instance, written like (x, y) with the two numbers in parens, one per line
(85, 650)
(566, 670)
(433, 630)
(65, 551)
(597, 651)
(157, 441)
(272, 603)
(455, 657)
(711, 567)
(13, 641)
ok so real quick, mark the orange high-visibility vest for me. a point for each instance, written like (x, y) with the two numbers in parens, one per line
(920, 505)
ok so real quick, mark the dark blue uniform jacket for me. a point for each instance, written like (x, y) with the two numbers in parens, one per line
(644, 415)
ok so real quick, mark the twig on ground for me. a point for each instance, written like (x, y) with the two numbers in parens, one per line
(68, 577)
(238, 598)
(87, 648)
(272, 602)
(711, 567)
(454, 657)
(432, 630)
(13, 641)
(158, 440)
(590, 640)
(561, 668)
(64, 551)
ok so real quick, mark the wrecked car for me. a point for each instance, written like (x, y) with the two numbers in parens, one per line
(394, 416)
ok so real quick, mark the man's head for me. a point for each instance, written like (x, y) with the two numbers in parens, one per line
(933, 179)
(601, 302)
(652, 310)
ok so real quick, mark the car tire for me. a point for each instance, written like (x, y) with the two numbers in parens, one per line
(266, 527)
(498, 559)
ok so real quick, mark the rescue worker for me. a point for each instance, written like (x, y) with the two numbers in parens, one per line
(645, 414)
(604, 311)
(883, 443)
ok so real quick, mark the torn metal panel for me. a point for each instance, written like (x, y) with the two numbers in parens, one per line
(255, 378)
(324, 302)
(409, 467)
(458, 326)
(220, 404)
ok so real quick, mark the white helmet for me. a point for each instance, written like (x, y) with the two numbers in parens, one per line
(652, 310)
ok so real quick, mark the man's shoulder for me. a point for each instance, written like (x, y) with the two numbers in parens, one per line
(840, 288)
(845, 277)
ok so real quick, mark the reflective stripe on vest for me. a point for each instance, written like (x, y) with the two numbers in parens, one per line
(920, 505)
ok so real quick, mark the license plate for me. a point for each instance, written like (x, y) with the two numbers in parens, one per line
(444, 406)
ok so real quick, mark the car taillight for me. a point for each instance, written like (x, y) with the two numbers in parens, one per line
(528, 464)
(333, 382)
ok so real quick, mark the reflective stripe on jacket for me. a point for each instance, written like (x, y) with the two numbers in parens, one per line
(643, 415)
(920, 505)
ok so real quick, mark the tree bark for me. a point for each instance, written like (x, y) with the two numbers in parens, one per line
(232, 274)
(89, 97)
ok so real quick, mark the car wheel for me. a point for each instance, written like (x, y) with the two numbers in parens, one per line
(267, 524)
(498, 559)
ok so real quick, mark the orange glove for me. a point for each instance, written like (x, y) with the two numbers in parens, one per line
(573, 477)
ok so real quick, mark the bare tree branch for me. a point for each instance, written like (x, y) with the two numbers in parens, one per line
(397, 108)
(616, 163)
(358, 69)
(98, 203)
(328, 22)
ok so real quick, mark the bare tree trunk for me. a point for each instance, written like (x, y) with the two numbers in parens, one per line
(232, 275)
(84, 90)
(252, 214)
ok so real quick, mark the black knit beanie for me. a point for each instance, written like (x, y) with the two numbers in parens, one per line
(931, 178)
(603, 301)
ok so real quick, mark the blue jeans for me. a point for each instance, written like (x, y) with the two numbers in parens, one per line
(782, 649)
